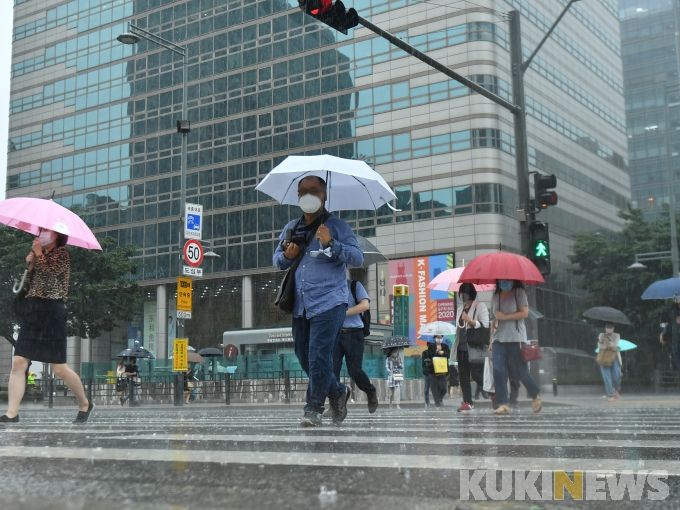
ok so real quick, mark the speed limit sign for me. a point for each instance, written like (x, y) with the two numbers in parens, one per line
(193, 253)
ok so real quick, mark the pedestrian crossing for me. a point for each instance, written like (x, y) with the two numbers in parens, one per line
(438, 443)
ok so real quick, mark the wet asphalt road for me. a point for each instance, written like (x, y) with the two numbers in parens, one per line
(257, 458)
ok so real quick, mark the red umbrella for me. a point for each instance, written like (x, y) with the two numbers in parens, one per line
(501, 265)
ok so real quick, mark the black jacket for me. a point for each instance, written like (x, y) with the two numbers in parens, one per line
(431, 352)
(672, 329)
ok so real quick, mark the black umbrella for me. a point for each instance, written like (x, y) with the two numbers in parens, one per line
(396, 341)
(607, 314)
(138, 352)
(210, 351)
(371, 254)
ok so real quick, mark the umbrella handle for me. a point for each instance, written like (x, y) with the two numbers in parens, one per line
(20, 285)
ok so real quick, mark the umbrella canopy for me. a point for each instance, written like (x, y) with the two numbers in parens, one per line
(32, 214)
(438, 328)
(607, 314)
(501, 265)
(395, 341)
(351, 184)
(624, 345)
(138, 352)
(371, 254)
(663, 289)
(447, 281)
(430, 340)
(209, 352)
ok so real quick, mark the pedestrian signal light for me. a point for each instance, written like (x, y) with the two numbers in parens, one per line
(539, 248)
(544, 197)
(331, 12)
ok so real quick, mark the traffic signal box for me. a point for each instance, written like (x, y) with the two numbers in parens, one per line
(539, 246)
(331, 12)
(543, 196)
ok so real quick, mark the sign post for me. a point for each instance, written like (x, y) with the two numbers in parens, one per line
(193, 221)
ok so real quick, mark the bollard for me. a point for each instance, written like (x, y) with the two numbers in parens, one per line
(51, 397)
(227, 388)
(179, 390)
(554, 386)
(286, 376)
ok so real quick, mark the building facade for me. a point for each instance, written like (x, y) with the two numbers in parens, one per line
(92, 121)
(650, 63)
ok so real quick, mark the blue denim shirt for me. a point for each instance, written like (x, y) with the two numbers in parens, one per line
(321, 282)
(355, 321)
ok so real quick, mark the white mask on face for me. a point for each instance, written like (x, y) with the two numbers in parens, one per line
(45, 238)
(309, 203)
(609, 330)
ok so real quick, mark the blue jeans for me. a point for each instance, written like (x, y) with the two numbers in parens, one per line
(675, 348)
(612, 377)
(315, 341)
(506, 357)
(427, 389)
(127, 393)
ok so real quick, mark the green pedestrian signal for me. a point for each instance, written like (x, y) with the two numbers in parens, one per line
(541, 249)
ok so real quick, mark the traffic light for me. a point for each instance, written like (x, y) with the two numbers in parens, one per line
(539, 246)
(332, 13)
(543, 197)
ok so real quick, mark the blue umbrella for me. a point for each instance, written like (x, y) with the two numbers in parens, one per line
(663, 289)
(624, 345)
(430, 340)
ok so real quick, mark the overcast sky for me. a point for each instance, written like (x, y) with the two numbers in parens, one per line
(5, 66)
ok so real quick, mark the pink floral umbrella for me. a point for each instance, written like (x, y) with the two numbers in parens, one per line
(32, 214)
(447, 281)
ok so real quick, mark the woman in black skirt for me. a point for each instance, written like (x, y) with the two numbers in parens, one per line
(42, 336)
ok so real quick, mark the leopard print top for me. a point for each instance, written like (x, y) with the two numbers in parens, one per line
(50, 276)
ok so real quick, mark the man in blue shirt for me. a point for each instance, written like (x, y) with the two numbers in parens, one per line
(351, 344)
(328, 245)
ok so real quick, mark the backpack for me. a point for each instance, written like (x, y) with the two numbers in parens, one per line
(365, 316)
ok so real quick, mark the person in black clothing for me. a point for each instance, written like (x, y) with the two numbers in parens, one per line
(671, 332)
(132, 373)
(188, 384)
(437, 381)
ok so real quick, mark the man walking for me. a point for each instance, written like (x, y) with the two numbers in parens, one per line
(671, 332)
(351, 344)
(325, 245)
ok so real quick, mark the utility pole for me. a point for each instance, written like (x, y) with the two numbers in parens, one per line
(669, 148)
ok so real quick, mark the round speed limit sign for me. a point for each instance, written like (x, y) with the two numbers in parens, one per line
(193, 253)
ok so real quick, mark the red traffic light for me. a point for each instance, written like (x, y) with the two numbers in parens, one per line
(320, 7)
(332, 13)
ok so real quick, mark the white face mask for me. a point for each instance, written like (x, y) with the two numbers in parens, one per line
(45, 238)
(609, 330)
(309, 203)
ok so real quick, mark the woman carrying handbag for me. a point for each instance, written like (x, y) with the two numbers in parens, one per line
(609, 359)
(395, 375)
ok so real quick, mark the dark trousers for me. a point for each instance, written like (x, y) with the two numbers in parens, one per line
(438, 387)
(427, 390)
(351, 346)
(464, 371)
(315, 341)
(477, 373)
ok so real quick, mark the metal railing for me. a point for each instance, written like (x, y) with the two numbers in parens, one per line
(666, 381)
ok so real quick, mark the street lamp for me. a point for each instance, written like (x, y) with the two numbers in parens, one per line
(133, 36)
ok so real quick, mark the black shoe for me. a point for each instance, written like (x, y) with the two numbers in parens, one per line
(6, 419)
(339, 406)
(311, 419)
(83, 416)
(485, 395)
(372, 402)
(136, 404)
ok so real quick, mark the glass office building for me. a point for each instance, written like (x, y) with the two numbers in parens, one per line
(93, 121)
(650, 63)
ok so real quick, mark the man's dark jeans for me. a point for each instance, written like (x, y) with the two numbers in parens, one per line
(675, 349)
(315, 341)
(427, 389)
(351, 346)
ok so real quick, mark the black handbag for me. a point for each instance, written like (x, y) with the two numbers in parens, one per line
(285, 297)
(477, 337)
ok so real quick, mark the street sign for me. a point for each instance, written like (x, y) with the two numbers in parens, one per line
(192, 271)
(230, 351)
(193, 253)
(183, 315)
(184, 294)
(180, 355)
(193, 216)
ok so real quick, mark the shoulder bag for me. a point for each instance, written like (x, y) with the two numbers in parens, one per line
(285, 297)
(528, 351)
(477, 337)
(606, 356)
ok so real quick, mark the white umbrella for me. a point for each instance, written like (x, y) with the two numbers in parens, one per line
(438, 328)
(351, 184)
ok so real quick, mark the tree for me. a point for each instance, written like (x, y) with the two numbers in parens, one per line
(603, 263)
(100, 292)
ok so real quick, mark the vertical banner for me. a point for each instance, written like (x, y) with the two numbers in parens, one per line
(150, 326)
(180, 355)
(424, 305)
(135, 329)
(172, 325)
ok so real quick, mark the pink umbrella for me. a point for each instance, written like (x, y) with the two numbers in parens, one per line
(32, 214)
(447, 281)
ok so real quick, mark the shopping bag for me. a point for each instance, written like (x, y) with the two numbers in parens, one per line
(488, 376)
(441, 365)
